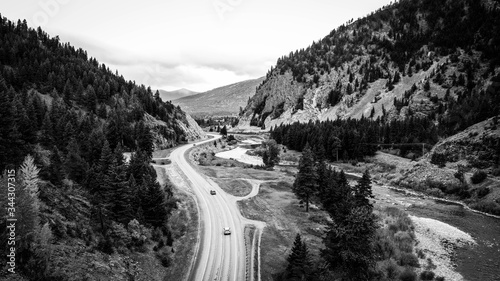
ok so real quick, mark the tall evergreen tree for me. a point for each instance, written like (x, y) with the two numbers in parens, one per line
(349, 245)
(55, 168)
(153, 203)
(144, 139)
(363, 190)
(118, 195)
(76, 168)
(306, 181)
(223, 131)
(299, 262)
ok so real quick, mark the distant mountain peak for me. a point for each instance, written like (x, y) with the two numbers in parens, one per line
(177, 94)
(225, 100)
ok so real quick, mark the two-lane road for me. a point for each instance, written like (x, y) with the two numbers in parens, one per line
(219, 256)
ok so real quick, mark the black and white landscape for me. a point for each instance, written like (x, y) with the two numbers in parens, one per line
(325, 140)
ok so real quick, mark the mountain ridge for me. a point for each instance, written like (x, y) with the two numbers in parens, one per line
(177, 94)
(224, 100)
(409, 58)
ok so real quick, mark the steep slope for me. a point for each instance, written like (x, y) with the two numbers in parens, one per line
(173, 95)
(413, 58)
(450, 166)
(226, 100)
(83, 213)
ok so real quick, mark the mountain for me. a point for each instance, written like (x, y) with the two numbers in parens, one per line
(173, 95)
(225, 100)
(422, 58)
(83, 213)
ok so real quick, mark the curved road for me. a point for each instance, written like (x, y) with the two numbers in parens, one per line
(219, 256)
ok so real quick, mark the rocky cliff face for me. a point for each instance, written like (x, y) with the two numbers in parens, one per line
(159, 129)
(191, 128)
(477, 147)
(412, 58)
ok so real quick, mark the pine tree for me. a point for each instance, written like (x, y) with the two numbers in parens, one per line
(338, 200)
(144, 139)
(55, 168)
(118, 195)
(75, 167)
(223, 131)
(106, 159)
(153, 203)
(299, 263)
(306, 181)
(363, 190)
(139, 167)
(349, 245)
(11, 143)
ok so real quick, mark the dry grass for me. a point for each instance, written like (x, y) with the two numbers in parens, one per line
(235, 187)
(240, 173)
(162, 153)
(278, 207)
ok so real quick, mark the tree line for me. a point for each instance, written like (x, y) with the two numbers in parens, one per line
(358, 243)
(353, 139)
(349, 241)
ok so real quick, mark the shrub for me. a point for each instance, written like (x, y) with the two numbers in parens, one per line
(402, 236)
(483, 191)
(487, 207)
(156, 234)
(384, 245)
(408, 275)
(139, 233)
(439, 278)
(119, 235)
(406, 246)
(427, 275)
(436, 192)
(106, 246)
(496, 172)
(164, 258)
(478, 177)
(389, 268)
(408, 259)
(439, 159)
(420, 254)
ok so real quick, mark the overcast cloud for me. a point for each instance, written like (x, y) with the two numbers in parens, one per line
(193, 44)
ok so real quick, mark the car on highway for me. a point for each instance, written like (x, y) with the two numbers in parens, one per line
(227, 231)
(212, 192)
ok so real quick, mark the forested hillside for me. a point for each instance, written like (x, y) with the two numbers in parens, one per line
(69, 119)
(420, 58)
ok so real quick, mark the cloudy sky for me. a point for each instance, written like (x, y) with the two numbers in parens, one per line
(193, 44)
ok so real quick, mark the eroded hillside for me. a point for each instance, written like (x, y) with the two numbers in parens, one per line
(436, 59)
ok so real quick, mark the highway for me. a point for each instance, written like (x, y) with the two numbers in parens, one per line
(219, 256)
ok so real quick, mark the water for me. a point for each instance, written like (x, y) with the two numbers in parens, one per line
(480, 262)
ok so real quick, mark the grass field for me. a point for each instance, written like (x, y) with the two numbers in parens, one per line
(235, 187)
(278, 207)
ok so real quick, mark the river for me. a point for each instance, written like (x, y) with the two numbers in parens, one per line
(480, 262)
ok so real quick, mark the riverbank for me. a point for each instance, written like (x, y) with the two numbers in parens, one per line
(438, 240)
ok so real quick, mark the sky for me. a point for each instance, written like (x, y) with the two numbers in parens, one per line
(194, 44)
